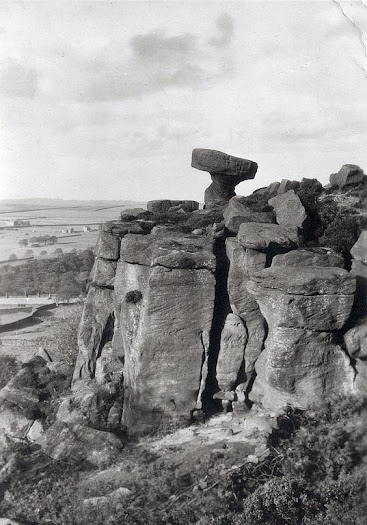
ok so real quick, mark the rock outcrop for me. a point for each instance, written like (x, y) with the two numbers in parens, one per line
(234, 311)
(226, 172)
(348, 175)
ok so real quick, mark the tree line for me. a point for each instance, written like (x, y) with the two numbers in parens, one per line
(66, 276)
(41, 239)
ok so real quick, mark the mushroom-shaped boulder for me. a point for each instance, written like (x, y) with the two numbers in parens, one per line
(226, 172)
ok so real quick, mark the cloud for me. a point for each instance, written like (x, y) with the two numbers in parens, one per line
(225, 29)
(159, 61)
(18, 81)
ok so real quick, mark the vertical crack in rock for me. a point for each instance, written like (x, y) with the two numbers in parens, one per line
(221, 310)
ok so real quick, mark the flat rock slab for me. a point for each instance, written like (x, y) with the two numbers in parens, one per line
(182, 252)
(122, 228)
(309, 257)
(260, 236)
(313, 312)
(219, 163)
(307, 280)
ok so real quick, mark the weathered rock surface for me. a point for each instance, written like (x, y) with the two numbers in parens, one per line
(108, 246)
(226, 172)
(261, 236)
(95, 328)
(231, 353)
(289, 210)
(356, 340)
(103, 273)
(164, 206)
(359, 249)
(243, 262)
(307, 281)
(300, 368)
(237, 212)
(302, 363)
(308, 257)
(349, 174)
(316, 312)
(185, 253)
(165, 317)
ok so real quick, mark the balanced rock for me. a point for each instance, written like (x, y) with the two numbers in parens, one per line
(238, 212)
(231, 354)
(348, 175)
(261, 236)
(289, 210)
(226, 172)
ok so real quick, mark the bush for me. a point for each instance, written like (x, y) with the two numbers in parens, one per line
(133, 297)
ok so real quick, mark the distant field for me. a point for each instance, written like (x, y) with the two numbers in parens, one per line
(50, 218)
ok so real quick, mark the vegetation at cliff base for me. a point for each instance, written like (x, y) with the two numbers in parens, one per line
(315, 473)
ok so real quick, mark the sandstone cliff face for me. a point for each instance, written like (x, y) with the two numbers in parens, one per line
(235, 310)
(165, 317)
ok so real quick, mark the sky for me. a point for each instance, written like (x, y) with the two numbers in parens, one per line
(107, 99)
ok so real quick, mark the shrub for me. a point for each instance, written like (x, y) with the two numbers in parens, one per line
(134, 296)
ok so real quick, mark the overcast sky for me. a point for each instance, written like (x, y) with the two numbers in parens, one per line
(107, 99)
